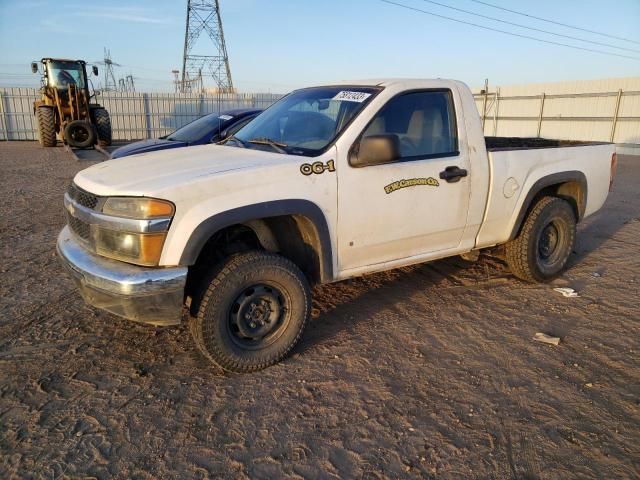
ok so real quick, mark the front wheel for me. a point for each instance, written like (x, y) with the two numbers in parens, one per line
(252, 313)
(102, 121)
(542, 248)
(46, 117)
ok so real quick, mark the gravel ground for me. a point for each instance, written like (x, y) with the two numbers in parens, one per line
(422, 372)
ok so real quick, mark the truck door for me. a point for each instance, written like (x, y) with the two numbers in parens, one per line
(418, 203)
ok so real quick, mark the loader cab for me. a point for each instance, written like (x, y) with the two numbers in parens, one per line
(59, 74)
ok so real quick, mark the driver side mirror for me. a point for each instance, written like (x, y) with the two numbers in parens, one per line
(375, 150)
(94, 69)
(34, 67)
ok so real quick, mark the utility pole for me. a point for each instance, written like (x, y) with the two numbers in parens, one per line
(204, 16)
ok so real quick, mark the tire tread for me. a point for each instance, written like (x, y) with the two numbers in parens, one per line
(102, 122)
(46, 126)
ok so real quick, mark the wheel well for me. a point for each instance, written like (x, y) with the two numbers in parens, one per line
(292, 236)
(573, 190)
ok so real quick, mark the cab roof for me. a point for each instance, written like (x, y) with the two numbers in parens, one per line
(49, 59)
(384, 82)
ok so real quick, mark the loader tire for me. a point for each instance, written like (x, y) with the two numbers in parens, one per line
(541, 250)
(46, 126)
(80, 134)
(253, 311)
(102, 121)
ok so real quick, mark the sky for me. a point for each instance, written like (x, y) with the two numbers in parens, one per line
(277, 45)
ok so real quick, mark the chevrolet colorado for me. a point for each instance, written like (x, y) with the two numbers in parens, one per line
(329, 183)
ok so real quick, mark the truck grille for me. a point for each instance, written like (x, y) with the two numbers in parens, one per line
(80, 228)
(82, 197)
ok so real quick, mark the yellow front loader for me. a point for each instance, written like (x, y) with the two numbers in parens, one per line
(65, 109)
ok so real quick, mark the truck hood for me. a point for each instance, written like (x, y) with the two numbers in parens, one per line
(148, 173)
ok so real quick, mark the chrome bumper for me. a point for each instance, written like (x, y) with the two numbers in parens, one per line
(149, 295)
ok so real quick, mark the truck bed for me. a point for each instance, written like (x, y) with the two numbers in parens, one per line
(519, 143)
(516, 164)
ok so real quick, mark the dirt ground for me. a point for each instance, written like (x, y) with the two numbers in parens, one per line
(423, 372)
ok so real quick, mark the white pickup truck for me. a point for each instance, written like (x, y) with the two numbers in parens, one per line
(329, 183)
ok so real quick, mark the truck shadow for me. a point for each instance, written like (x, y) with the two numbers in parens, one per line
(341, 305)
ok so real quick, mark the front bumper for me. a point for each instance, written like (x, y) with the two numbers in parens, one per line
(149, 295)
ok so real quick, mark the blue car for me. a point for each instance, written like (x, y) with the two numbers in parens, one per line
(211, 128)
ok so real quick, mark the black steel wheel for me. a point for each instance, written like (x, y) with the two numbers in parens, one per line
(252, 312)
(541, 250)
(259, 315)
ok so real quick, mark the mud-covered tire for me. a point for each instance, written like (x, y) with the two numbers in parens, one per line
(102, 121)
(46, 119)
(255, 288)
(79, 134)
(541, 250)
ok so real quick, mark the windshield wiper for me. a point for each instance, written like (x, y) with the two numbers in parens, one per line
(233, 138)
(277, 146)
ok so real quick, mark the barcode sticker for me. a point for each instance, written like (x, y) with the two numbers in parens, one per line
(346, 96)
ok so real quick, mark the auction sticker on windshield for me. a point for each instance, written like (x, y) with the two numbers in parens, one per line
(225, 117)
(346, 96)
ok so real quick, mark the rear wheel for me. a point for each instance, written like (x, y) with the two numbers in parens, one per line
(252, 313)
(102, 122)
(80, 134)
(541, 250)
(46, 126)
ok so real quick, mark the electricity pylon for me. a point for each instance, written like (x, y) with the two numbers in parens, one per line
(204, 16)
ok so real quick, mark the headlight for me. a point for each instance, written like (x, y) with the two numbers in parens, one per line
(138, 208)
(128, 235)
(139, 248)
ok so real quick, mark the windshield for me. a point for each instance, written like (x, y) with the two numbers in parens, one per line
(306, 121)
(194, 131)
(63, 73)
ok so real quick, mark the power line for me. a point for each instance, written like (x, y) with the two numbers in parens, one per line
(554, 22)
(531, 28)
(508, 33)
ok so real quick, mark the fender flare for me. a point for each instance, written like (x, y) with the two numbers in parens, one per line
(258, 211)
(547, 181)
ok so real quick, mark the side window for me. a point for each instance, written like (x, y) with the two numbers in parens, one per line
(424, 123)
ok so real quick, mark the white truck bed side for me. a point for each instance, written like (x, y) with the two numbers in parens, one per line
(514, 173)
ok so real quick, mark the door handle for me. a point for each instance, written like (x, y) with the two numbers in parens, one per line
(453, 174)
